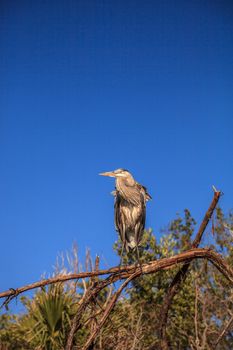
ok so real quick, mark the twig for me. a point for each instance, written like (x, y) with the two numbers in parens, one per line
(197, 342)
(207, 217)
(136, 338)
(225, 329)
(62, 278)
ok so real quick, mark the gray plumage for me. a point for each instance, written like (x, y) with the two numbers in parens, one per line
(129, 208)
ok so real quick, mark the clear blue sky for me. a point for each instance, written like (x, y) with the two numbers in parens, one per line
(90, 86)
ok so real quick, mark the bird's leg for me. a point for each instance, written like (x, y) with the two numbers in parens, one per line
(122, 251)
(138, 257)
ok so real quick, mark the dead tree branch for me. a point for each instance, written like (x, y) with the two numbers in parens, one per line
(109, 308)
(116, 273)
(182, 274)
(223, 332)
(90, 296)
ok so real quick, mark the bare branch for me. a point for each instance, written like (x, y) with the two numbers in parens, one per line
(224, 331)
(182, 273)
(116, 273)
(109, 308)
(206, 219)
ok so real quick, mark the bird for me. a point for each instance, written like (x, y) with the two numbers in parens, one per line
(129, 209)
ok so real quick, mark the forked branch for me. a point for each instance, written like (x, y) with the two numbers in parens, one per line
(182, 274)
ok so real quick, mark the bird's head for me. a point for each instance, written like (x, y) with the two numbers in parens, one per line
(118, 173)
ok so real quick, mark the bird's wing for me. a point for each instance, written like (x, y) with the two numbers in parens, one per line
(144, 191)
(141, 219)
(119, 223)
(130, 194)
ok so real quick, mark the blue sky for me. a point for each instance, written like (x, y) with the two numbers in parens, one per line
(90, 86)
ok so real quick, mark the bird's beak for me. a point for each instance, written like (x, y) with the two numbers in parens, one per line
(108, 173)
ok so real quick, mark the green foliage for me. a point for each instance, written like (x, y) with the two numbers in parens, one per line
(197, 315)
(47, 319)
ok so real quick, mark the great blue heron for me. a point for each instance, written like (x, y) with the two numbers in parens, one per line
(129, 208)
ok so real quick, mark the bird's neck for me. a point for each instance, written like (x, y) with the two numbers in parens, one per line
(124, 182)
